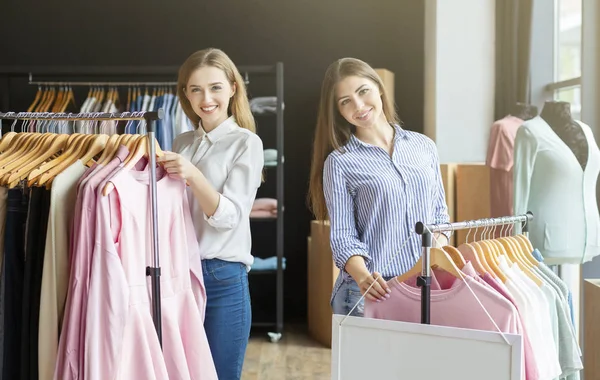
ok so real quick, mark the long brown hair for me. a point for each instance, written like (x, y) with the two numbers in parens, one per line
(239, 106)
(333, 131)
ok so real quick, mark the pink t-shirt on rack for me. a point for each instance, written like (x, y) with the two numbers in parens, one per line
(442, 280)
(454, 307)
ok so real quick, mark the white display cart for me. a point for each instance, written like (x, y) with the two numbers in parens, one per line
(375, 349)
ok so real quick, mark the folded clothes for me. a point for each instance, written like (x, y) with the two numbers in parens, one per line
(264, 204)
(270, 154)
(261, 214)
(270, 263)
(263, 104)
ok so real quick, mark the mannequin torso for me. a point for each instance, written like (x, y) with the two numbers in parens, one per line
(524, 111)
(558, 116)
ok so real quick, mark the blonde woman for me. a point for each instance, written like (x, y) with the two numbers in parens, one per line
(222, 161)
(374, 181)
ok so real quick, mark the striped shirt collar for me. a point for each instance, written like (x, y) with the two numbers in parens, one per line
(355, 142)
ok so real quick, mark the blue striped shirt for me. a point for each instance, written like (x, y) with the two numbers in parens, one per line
(374, 201)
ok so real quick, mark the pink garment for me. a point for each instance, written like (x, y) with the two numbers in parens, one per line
(454, 307)
(262, 214)
(121, 342)
(70, 347)
(442, 280)
(265, 204)
(500, 161)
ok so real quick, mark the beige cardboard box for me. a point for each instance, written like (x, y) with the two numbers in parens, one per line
(322, 273)
(591, 329)
(472, 196)
(449, 180)
(388, 79)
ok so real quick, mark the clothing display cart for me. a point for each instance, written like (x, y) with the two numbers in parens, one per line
(405, 350)
(426, 231)
(150, 118)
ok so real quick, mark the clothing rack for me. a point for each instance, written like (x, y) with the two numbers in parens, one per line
(424, 281)
(150, 118)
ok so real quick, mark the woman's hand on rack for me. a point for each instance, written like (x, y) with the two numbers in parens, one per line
(178, 167)
(380, 289)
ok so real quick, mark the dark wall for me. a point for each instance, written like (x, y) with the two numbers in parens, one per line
(306, 35)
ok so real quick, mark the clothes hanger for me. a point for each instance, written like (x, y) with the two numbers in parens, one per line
(92, 146)
(490, 257)
(141, 150)
(109, 150)
(56, 145)
(454, 253)
(510, 251)
(438, 259)
(79, 152)
(58, 100)
(76, 140)
(470, 254)
(28, 153)
(38, 96)
(6, 139)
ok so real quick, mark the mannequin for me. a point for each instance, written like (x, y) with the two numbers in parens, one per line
(556, 167)
(558, 115)
(524, 111)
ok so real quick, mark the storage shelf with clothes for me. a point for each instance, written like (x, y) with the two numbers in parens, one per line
(84, 220)
(493, 282)
(267, 214)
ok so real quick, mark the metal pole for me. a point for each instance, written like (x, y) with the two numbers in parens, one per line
(154, 271)
(424, 281)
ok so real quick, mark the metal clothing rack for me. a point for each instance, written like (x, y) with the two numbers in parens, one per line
(424, 281)
(150, 118)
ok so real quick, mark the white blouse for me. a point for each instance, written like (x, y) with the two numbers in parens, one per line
(231, 158)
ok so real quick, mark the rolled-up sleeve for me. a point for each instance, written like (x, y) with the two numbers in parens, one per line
(344, 238)
(239, 190)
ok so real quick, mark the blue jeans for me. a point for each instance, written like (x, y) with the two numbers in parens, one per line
(347, 295)
(228, 315)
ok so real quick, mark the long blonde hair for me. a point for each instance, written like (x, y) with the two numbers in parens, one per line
(333, 131)
(239, 106)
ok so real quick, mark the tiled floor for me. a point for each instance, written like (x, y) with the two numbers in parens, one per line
(294, 357)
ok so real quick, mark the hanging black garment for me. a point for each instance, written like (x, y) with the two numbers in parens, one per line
(13, 272)
(35, 245)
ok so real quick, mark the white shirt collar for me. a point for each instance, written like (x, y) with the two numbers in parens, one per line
(221, 130)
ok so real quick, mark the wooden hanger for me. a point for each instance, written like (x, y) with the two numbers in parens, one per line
(438, 258)
(490, 259)
(80, 153)
(455, 255)
(509, 251)
(6, 139)
(38, 96)
(109, 150)
(471, 254)
(56, 145)
(72, 143)
(24, 156)
(141, 150)
(19, 141)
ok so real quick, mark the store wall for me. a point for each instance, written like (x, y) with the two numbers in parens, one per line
(460, 77)
(305, 35)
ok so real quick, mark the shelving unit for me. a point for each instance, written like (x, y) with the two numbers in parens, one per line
(276, 71)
